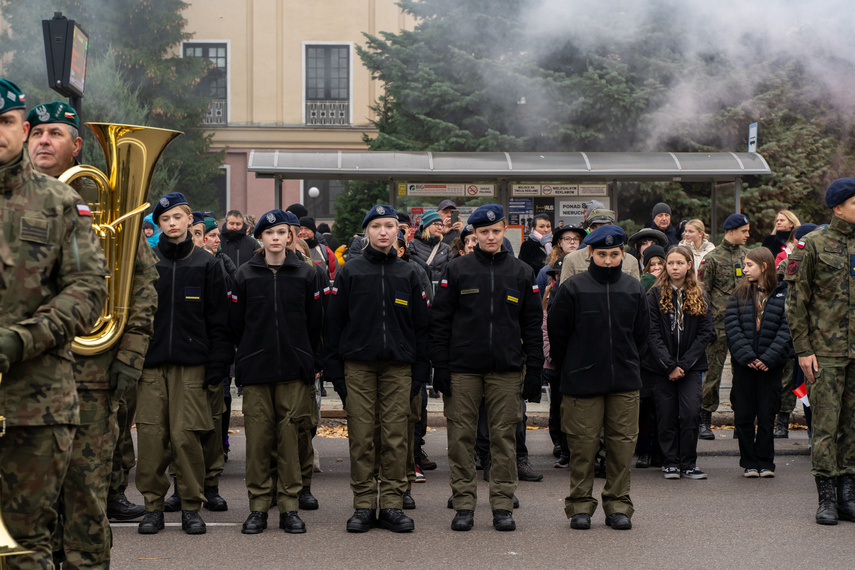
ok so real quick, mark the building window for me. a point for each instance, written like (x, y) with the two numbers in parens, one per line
(322, 207)
(327, 85)
(214, 84)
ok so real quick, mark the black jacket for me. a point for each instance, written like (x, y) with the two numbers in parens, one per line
(486, 315)
(378, 312)
(191, 322)
(597, 325)
(277, 317)
(237, 245)
(772, 344)
(663, 354)
(422, 249)
(533, 253)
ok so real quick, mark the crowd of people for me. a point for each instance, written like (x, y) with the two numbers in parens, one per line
(630, 333)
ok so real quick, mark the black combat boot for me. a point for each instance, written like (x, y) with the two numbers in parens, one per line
(192, 523)
(704, 429)
(846, 497)
(409, 502)
(782, 427)
(306, 500)
(503, 520)
(121, 509)
(173, 503)
(362, 520)
(214, 501)
(255, 523)
(827, 511)
(395, 520)
(463, 520)
(291, 523)
(152, 523)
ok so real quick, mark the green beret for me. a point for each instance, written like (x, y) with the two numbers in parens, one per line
(210, 224)
(53, 112)
(10, 96)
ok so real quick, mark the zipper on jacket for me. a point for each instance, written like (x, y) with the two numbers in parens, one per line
(611, 339)
(383, 296)
(172, 308)
(276, 322)
(492, 302)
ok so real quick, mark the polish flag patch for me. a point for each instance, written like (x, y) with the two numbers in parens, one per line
(335, 290)
(443, 283)
(83, 210)
(535, 289)
(234, 298)
(424, 295)
(69, 115)
(326, 290)
(801, 244)
(317, 295)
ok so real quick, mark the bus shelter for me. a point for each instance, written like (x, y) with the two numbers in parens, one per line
(569, 180)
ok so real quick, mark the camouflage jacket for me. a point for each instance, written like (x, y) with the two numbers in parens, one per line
(821, 301)
(53, 290)
(720, 273)
(93, 372)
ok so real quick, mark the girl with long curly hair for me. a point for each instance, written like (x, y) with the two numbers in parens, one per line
(681, 327)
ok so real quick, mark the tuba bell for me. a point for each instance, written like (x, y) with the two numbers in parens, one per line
(117, 207)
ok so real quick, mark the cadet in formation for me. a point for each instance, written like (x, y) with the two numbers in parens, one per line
(821, 313)
(720, 273)
(82, 536)
(485, 331)
(52, 289)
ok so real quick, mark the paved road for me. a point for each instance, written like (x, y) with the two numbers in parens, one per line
(725, 522)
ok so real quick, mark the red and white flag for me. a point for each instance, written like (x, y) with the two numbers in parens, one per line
(801, 394)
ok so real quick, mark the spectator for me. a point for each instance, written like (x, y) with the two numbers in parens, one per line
(654, 263)
(429, 247)
(782, 238)
(235, 243)
(197, 228)
(148, 227)
(681, 327)
(533, 250)
(465, 244)
(320, 253)
(564, 240)
(551, 378)
(695, 238)
(643, 239)
(759, 341)
(450, 231)
(325, 231)
(662, 221)
(249, 223)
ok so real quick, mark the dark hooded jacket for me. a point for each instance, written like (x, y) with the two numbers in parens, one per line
(237, 245)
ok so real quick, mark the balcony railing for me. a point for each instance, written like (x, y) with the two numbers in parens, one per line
(327, 112)
(216, 113)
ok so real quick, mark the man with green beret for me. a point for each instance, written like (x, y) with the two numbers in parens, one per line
(82, 536)
(52, 289)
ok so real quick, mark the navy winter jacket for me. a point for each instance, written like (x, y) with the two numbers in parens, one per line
(772, 343)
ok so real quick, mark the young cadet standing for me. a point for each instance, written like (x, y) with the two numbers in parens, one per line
(276, 315)
(720, 273)
(375, 342)
(188, 356)
(597, 326)
(52, 289)
(485, 329)
(821, 314)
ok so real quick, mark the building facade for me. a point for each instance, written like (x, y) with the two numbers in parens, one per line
(286, 76)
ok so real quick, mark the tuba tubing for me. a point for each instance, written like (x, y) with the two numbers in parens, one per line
(131, 154)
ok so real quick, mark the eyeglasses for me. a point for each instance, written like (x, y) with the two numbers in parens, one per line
(570, 239)
(437, 223)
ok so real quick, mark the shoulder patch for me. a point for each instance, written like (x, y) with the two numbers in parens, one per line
(792, 266)
(83, 210)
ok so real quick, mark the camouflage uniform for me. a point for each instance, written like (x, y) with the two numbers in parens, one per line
(821, 315)
(53, 289)
(83, 537)
(719, 273)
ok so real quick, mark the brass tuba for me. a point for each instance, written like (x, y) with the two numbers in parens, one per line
(131, 154)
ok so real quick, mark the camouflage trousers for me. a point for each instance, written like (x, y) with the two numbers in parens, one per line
(716, 355)
(124, 457)
(82, 538)
(832, 402)
(172, 416)
(33, 463)
(788, 398)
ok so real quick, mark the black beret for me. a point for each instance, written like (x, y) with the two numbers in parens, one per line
(734, 221)
(198, 218)
(606, 237)
(487, 215)
(269, 220)
(839, 191)
(379, 211)
(167, 202)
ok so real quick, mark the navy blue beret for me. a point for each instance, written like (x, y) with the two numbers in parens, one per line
(269, 220)
(198, 218)
(401, 238)
(605, 237)
(167, 202)
(292, 219)
(839, 191)
(379, 211)
(487, 215)
(468, 230)
(734, 221)
(804, 230)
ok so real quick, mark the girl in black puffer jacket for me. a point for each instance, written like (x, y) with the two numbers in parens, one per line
(760, 344)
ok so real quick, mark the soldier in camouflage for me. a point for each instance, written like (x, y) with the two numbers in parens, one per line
(720, 273)
(821, 315)
(52, 290)
(83, 537)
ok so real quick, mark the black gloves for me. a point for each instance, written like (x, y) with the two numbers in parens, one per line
(215, 374)
(415, 389)
(532, 386)
(442, 380)
(11, 349)
(340, 388)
